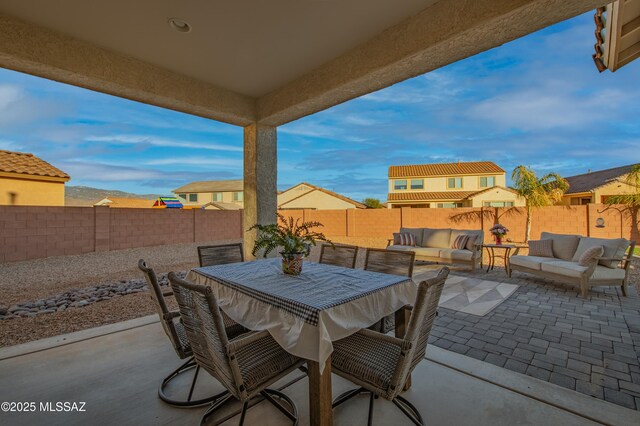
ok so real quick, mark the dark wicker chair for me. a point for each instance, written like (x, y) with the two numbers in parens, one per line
(339, 255)
(220, 254)
(389, 262)
(381, 364)
(174, 329)
(245, 365)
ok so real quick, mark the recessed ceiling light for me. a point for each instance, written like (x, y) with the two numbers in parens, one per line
(179, 25)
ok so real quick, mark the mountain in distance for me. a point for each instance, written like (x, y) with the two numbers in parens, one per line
(87, 196)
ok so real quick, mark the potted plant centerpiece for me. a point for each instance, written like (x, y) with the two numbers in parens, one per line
(498, 231)
(293, 237)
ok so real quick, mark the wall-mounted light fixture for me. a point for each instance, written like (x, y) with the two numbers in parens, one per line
(599, 222)
(179, 25)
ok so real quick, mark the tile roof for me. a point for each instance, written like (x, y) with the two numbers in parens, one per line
(121, 202)
(211, 186)
(445, 169)
(326, 191)
(428, 196)
(28, 164)
(590, 181)
(441, 195)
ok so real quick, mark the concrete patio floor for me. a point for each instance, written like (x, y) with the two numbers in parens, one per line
(116, 369)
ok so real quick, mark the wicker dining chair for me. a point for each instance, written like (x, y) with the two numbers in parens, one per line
(389, 262)
(174, 330)
(220, 254)
(381, 364)
(339, 255)
(245, 365)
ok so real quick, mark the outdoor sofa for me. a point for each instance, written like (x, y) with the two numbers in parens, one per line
(436, 245)
(562, 264)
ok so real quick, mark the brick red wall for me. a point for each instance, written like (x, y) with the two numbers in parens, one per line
(29, 232)
(33, 232)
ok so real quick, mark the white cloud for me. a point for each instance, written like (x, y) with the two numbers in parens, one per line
(154, 141)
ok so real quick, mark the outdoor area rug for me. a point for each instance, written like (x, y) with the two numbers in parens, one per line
(472, 295)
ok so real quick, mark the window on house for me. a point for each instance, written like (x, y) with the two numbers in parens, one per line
(454, 183)
(400, 184)
(497, 204)
(193, 198)
(216, 196)
(449, 205)
(417, 183)
(487, 181)
(237, 196)
(183, 196)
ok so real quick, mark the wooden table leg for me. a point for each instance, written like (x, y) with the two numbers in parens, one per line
(320, 397)
(402, 322)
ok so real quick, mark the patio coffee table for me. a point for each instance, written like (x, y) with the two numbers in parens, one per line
(305, 313)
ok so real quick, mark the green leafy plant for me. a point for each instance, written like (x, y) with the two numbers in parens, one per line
(292, 236)
(537, 192)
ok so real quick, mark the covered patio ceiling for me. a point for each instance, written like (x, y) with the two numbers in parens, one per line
(254, 61)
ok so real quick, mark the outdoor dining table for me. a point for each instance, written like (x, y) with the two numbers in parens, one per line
(305, 313)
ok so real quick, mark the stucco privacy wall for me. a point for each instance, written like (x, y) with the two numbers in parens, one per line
(35, 232)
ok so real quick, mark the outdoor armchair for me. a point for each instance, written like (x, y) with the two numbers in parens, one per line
(339, 255)
(174, 330)
(220, 254)
(381, 364)
(245, 365)
(389, 262)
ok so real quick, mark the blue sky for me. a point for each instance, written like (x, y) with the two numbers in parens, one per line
(537, 101)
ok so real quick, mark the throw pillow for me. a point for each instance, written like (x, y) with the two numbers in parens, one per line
(542, 248)
(460, 242)
(471, 242)
(402, 239)
(590, 254)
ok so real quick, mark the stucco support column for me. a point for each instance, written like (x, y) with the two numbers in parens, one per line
(260, 177)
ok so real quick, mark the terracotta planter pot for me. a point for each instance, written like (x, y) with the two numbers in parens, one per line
(292, 263)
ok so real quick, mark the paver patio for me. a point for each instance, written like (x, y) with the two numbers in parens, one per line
(545, 330)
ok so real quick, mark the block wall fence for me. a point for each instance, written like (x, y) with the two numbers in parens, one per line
(35, 232)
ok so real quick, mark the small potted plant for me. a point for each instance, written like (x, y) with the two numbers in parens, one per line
(293, 237)
(498, 231)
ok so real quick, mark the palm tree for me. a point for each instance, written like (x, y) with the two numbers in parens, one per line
(537, 192)
(631, 200)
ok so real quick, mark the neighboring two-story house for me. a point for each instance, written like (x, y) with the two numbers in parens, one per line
(596, 187)
(450, 185)
(26, 180)
(225, 194)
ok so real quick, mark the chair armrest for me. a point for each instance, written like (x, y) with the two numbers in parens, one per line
(619, 259)
(383, 337)
(171, 315)
(243, 341)
(167, 293)
(389, 240)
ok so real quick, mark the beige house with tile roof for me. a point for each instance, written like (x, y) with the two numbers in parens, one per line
(596, 187)
(307, 196)
(450, 185)
(26, 180)
(222, 192)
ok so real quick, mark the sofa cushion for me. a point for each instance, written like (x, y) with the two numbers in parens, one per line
(427, 251)
(401, 248)
(564, 246)
(590, 256)
(440, 238)
(416, 232)
(531, 262)
(614, 247)
(475, 237)
(460, 243)
(543, 248)
(453, 254)
(603, 273)
(563, 267)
